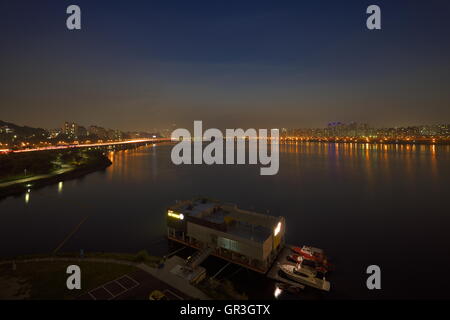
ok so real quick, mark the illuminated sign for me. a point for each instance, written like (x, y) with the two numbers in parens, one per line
(175, 215)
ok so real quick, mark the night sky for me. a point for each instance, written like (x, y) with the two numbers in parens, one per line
(139, 65)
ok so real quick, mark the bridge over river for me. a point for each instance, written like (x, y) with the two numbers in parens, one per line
(89, 145)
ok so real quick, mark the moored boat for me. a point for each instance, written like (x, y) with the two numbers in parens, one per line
(305, 276)
(310, 253)
(319, 267)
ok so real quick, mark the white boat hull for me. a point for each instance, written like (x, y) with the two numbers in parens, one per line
(289, 271)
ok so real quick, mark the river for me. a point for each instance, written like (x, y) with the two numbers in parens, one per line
(364, 204)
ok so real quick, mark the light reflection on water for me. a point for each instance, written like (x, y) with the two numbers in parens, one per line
(27, 197)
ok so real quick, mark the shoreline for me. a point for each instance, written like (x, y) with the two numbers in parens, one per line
(371, 142)
(21, 187)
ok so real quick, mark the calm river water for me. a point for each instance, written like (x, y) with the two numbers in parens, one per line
(364, 204)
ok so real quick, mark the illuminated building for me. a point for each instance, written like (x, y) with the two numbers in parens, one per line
(70, 129)
(247, 238)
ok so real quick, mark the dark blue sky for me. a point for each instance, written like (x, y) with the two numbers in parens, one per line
(150, 64)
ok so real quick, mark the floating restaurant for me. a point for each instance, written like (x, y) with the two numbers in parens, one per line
(250, 239)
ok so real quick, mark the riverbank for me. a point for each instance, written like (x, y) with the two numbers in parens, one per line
(27, 277)
(53, 168)
(372, 141)
(30, 280)
(106, 276)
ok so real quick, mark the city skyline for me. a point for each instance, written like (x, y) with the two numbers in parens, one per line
(230, 65)
(72, 126)
(14, 138)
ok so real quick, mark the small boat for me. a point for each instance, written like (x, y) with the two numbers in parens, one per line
(315, 255)
(310, 253)
(319, 267)
(305, 276)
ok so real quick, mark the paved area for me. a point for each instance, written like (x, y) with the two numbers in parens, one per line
(165, 274)
(112, 289)
(148, 277)
(135, 286)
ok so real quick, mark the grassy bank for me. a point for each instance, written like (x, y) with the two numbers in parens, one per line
(43, 280)
(47, 280)
(19, 172)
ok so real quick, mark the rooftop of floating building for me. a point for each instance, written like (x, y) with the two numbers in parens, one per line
(213, 212)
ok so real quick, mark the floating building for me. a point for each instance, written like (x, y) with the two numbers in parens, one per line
(246, 238)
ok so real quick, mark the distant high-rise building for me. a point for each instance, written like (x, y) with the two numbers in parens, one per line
(70, 129)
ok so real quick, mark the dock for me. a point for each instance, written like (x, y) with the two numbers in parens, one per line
(273, 273)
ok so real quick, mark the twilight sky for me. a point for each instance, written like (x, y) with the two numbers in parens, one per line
(139, 65)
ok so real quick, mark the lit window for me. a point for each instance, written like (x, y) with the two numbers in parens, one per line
(228, 244)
